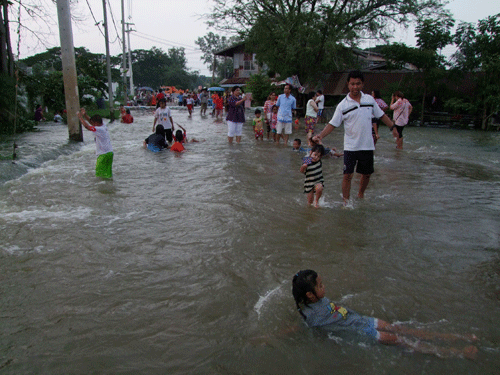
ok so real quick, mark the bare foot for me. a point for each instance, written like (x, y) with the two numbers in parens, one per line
(316, 204)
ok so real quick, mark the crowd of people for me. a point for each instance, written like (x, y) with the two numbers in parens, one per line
(360, 114)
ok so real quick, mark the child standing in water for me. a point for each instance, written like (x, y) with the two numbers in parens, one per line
(163, 117)
(258, 127)
(312, 167)
(317, 310)
(103, 149)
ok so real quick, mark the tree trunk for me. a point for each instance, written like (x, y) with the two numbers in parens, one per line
(423, 107)
(10, 56)
(3, 41)
(484, 120)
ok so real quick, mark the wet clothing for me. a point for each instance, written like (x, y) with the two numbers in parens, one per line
(357, 119)
(177, 146)
(156, 142)
(103, 165)
(314, 176)
(336, 318)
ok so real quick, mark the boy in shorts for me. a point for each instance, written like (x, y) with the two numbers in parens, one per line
(103, 149)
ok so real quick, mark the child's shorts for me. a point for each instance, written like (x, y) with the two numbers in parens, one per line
(103, 165)
(364, 325)
(259, 133)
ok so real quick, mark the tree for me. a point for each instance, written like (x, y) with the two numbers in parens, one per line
(432, 35)
(306, 36)
(479, 52)
(211, 43)
(156, 68)
(260, 87)
(45, 81)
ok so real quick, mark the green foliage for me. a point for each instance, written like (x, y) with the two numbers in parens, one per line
(211, 43)
(479, 52)
(260, 87)
(307, 36)
(12, 119)
(156, 68)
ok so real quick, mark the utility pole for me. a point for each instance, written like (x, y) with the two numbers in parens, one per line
(124, 59)
(108, 64)
(69, 70)
(132, 90)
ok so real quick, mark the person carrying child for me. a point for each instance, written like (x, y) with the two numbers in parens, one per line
(318, 311)
(103, 148)
(312, 167)
(258, 127)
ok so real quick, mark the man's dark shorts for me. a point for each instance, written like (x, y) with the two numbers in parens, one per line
(400, 130)
(364, 160)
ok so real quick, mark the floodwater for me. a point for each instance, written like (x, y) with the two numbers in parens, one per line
(182, 264)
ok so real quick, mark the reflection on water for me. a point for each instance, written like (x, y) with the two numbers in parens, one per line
(180, 263)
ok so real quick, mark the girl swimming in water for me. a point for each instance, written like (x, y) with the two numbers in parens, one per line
(318, 311)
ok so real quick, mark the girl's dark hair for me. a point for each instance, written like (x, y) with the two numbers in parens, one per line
(160, 130)
(376, 94)
(179, 136)
(399, 94)
(318, 148)
(304, 281)
(257, 111)
(234, 88)
(311, 95)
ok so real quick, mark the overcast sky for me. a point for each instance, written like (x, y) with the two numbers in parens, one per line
(172, 23)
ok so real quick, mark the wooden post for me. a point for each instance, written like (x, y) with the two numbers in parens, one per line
(69, 70)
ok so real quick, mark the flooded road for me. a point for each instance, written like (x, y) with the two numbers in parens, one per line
(181, 263)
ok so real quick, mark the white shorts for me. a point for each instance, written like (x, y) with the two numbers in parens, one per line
(283, 125)
(234, 129)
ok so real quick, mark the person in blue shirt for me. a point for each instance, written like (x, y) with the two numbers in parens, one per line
(286, 106)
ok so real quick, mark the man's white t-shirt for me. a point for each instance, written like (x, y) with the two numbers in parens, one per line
(357, 119)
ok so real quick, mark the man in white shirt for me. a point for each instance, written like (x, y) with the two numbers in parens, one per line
(356, 112)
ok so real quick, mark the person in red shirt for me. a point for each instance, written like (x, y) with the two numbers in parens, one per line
(177, 146)
(127, 117)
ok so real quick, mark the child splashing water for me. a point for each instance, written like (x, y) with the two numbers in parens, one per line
(317, 310)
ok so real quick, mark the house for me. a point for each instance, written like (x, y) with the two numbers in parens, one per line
(244, 65)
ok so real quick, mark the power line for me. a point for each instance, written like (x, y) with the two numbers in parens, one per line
(96, 23)
(155, 38)
(113, 19)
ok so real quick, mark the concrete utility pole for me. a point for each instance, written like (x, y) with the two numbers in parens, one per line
(69, 70)
(108, 64)
(124, 59)
(132, 90)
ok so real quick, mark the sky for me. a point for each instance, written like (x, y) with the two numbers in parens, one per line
(170, 23)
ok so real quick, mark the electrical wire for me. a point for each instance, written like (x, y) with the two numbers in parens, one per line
(113, 19)
(96, 23)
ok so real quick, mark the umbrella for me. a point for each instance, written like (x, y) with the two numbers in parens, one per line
(216, 89)
(145, 88)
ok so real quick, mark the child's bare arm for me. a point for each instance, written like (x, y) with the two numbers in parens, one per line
(84, 122)
(303, 168)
